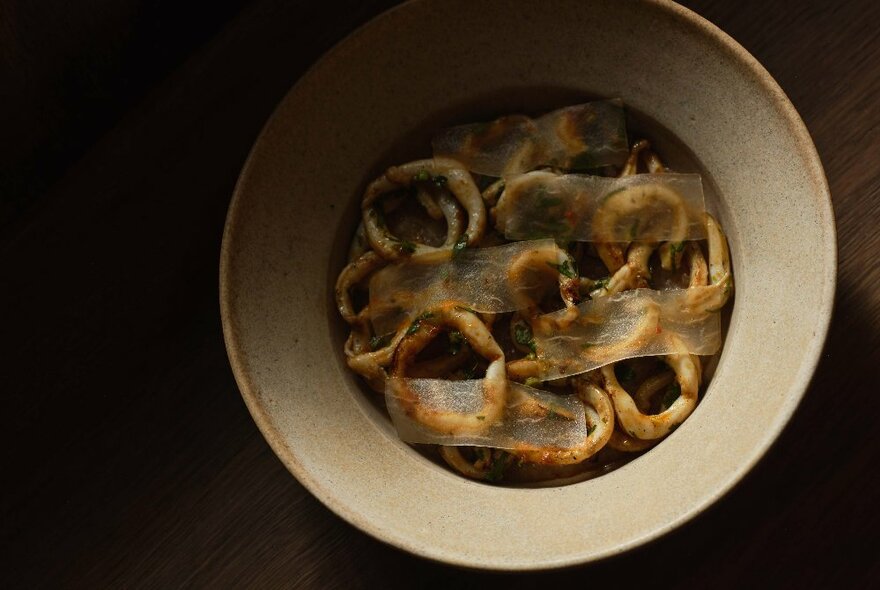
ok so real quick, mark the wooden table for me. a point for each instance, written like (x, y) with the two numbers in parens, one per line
(129, 458)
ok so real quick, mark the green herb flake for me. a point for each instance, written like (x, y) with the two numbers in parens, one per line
(417, 323)
(455, 342)
(601, 283)
(422, 176)
(459, 246)
(463, 308)
(532, 381)
(634, 229)
(547, 202)
(378, 342)
(522, 335)
(565, 269)
(591, 429)
(406, 247)
(496, 469)
(605, 198)
(676, 247)
(481, 417)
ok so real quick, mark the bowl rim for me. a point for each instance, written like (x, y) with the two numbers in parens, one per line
(810, 356)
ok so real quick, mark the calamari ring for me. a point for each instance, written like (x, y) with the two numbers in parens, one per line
(720, 279)
(351, 275)
(655, 426)
(629, 444)
(479, 469)
(551, 260)
(371, 365)
(427, 327)
(458, 181)
(634, 199)
(522, 369)
(600, 425)
(612, 253)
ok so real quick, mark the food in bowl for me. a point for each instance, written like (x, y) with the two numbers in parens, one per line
(536, 302)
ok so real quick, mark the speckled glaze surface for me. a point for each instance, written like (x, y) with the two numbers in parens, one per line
(373, 101)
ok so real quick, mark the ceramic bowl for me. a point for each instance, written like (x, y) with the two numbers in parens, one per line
(375, 100)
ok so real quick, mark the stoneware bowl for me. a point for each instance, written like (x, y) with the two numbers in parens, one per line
(375, 100)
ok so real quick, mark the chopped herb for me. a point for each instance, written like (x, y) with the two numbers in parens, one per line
(460, 245)
(522, 335)
(587, 346)
(590, 429)
(601, 283)
(496, 469)
(609, 195)
(565, 269)
(455, 341)
(463, 308)
(551, 413)
(634, 229)
(532, 381)
(417, 323)
(547, 202)
(422, 176)
(481, 417)
(377, 342)
(625, 373)
(406, 247)
(676, 247)
(672, 394)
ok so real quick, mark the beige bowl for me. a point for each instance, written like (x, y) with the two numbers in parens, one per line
(374, 100)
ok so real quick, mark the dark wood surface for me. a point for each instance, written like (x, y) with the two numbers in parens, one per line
(129, 458)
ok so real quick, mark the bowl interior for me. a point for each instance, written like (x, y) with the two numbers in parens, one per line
(375, 100)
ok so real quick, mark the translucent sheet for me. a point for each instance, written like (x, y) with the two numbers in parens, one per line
(575, 207)
(478, 278)
(580, 137)
(642, 322)
(532, 418)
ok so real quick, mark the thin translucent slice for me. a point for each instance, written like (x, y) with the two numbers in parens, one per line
(641, 322)
(580, 137)
(478, 278)
(582, 208)
(533, 419)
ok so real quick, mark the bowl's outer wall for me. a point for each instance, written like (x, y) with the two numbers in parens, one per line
(409, 69)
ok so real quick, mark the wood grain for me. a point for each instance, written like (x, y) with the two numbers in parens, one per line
(131, 461)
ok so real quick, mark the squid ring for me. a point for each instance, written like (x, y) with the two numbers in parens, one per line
(459, 183)
(548, 260)
(654, 426)
(721, 281)
(427, 327)
(354, 273)
(634, 199)
(600, 425)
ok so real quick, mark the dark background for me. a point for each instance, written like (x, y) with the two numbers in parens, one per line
(128, 457)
